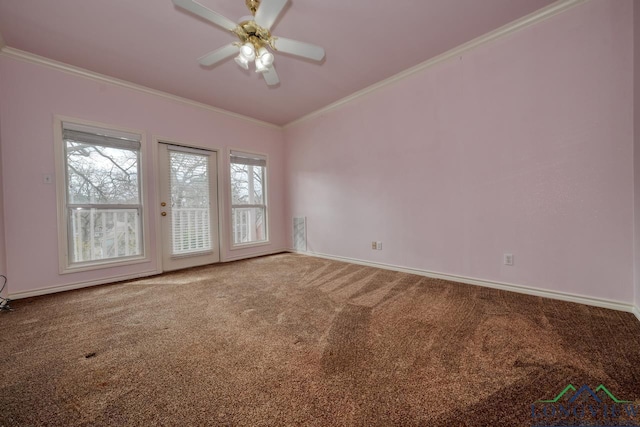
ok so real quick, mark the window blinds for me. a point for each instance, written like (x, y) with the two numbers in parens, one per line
(98, 136)
(248, 159)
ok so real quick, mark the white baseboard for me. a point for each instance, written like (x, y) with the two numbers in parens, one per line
(78, 285)
(562, 296)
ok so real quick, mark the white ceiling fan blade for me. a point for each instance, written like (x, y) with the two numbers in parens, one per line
(268, 12)
(206, 13)
(271, 77)
(218, 55)
(297, 48)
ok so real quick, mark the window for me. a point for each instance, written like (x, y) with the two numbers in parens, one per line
(190, 200)
(102, 217)
(248, 198)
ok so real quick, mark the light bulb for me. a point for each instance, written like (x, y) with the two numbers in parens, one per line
(248, 52)
(260, 67)
(266, 57)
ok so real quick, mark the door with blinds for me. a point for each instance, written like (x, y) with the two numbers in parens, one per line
(188, 207)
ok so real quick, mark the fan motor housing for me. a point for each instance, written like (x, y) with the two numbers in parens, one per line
(250, 32)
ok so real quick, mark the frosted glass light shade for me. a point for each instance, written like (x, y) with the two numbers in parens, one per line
(248, 51)
(260, 67)
(242, 61)
(265, 56)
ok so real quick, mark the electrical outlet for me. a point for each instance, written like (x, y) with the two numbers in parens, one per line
(508, 259)
(379, 245)
(374, 245)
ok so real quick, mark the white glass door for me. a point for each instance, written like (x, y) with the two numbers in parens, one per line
(188, 207)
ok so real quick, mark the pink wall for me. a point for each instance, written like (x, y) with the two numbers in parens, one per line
(32, 95)
(524, 146)
(636, 151)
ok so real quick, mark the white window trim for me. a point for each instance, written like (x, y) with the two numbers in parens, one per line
(64, 266)
(267, 241)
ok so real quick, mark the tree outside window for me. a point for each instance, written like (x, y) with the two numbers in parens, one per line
(103, 203)
(248, 201)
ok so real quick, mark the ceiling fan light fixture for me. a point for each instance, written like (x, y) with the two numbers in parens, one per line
(248, 52)
(254, 34)
(265, 57)
(261, 67)
(242, 61)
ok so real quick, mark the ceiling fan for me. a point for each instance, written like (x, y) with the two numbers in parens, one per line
(256, 41)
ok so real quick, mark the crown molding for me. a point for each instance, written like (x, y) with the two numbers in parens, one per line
(513, 27)
(102, 78)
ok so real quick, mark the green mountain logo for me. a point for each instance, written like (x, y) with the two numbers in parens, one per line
(585, 389)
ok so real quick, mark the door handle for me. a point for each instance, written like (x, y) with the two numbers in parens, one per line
(163, 204)
(163, 213)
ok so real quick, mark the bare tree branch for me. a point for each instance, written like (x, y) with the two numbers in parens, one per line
(87, 180)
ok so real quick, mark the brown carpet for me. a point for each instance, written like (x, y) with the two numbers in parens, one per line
(296, 340)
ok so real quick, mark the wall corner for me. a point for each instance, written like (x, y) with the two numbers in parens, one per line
(636, 158)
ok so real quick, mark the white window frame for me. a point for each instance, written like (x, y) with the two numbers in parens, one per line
(64, 257)
(265, 192)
